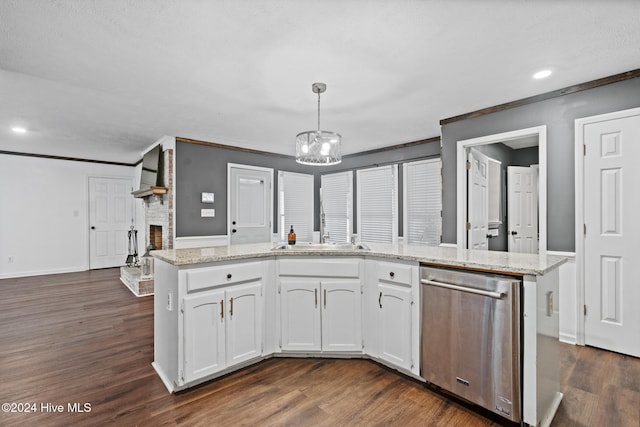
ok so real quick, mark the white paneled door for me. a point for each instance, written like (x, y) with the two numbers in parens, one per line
(478, 203)
(522, 213)
(612, 233)
(110, 218)
(250, 196)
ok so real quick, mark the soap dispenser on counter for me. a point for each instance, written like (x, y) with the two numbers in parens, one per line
(292, 237)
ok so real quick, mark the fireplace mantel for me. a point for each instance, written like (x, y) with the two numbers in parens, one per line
(153, 190)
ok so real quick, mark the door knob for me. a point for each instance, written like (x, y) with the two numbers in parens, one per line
(513, 233)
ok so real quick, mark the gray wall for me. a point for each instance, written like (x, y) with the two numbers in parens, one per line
(203, 168)
(559, 115)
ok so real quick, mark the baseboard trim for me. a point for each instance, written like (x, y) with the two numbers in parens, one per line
(42, 272)
(568, 338)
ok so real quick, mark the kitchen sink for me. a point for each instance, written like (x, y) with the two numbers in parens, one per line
(321, 247)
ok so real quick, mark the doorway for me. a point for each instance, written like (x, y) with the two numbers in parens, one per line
(607, 231)
(528, 137)
(249, 204)
(110, 218)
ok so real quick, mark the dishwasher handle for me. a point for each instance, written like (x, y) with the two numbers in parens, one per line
(496, 295)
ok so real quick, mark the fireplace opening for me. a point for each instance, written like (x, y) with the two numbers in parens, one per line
(155, 236)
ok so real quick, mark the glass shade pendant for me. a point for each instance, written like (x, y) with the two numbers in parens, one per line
(318, 147)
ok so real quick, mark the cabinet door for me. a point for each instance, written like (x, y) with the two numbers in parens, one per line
(394, 324)
(341, 316)
(244, 322)
(300, 314)
(204, 335)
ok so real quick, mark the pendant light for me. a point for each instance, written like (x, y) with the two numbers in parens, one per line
(318, 147)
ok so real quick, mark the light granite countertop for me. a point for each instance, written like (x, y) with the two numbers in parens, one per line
(505, 262)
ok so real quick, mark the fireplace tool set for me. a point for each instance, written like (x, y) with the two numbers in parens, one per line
(132, 258)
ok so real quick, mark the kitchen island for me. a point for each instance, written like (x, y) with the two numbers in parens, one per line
(218, 309)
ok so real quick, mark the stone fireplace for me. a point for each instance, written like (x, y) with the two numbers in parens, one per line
(158, 232)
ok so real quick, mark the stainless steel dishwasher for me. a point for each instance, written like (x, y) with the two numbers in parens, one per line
(471, 337)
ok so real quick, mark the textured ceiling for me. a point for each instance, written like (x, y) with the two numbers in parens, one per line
(105, 79)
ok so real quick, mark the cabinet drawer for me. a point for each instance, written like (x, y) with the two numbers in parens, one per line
(209, 277)
(395, 273)
(314, 267)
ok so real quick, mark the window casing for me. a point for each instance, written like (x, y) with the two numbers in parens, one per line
(377, 204)
(422, 202)
(295, 205)
(336, 203)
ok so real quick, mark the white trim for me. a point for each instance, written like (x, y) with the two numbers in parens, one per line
(200, 241)
(461, 178)
(569, 307)
(44, 272)
(448, 245)
(564, 254)
(253, 168)
(579, 199)
(393, 168)
(405, 199)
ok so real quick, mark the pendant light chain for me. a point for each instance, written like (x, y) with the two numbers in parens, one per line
(318, 111)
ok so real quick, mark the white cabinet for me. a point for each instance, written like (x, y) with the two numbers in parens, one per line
(204, 334)
(208, 319)
(394, 324)
(221, 328)
(244, 322)
(391, 314)
(341, 316)
(320, 305)
(300, 315)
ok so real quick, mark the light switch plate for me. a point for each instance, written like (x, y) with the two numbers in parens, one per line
(207, 213)
(207, 197)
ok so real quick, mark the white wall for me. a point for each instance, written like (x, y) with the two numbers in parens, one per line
(44, 210)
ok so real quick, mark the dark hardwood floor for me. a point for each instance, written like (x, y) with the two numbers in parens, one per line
(84, 338)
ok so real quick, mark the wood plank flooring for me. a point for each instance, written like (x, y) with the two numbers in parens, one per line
(84, 338)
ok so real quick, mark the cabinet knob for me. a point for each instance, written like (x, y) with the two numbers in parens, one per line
(229, 276)
(392, 274)
(234, 230)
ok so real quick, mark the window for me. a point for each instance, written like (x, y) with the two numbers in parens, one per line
(422, 182)
(378, 204)
(295, 205)
(336, 201)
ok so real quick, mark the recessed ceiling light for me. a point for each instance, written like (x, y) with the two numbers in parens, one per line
(542, 74)
(18, 129)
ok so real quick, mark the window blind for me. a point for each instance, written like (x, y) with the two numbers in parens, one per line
(422, 182)
(295, 205)
(337, 205)
(378, 204)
